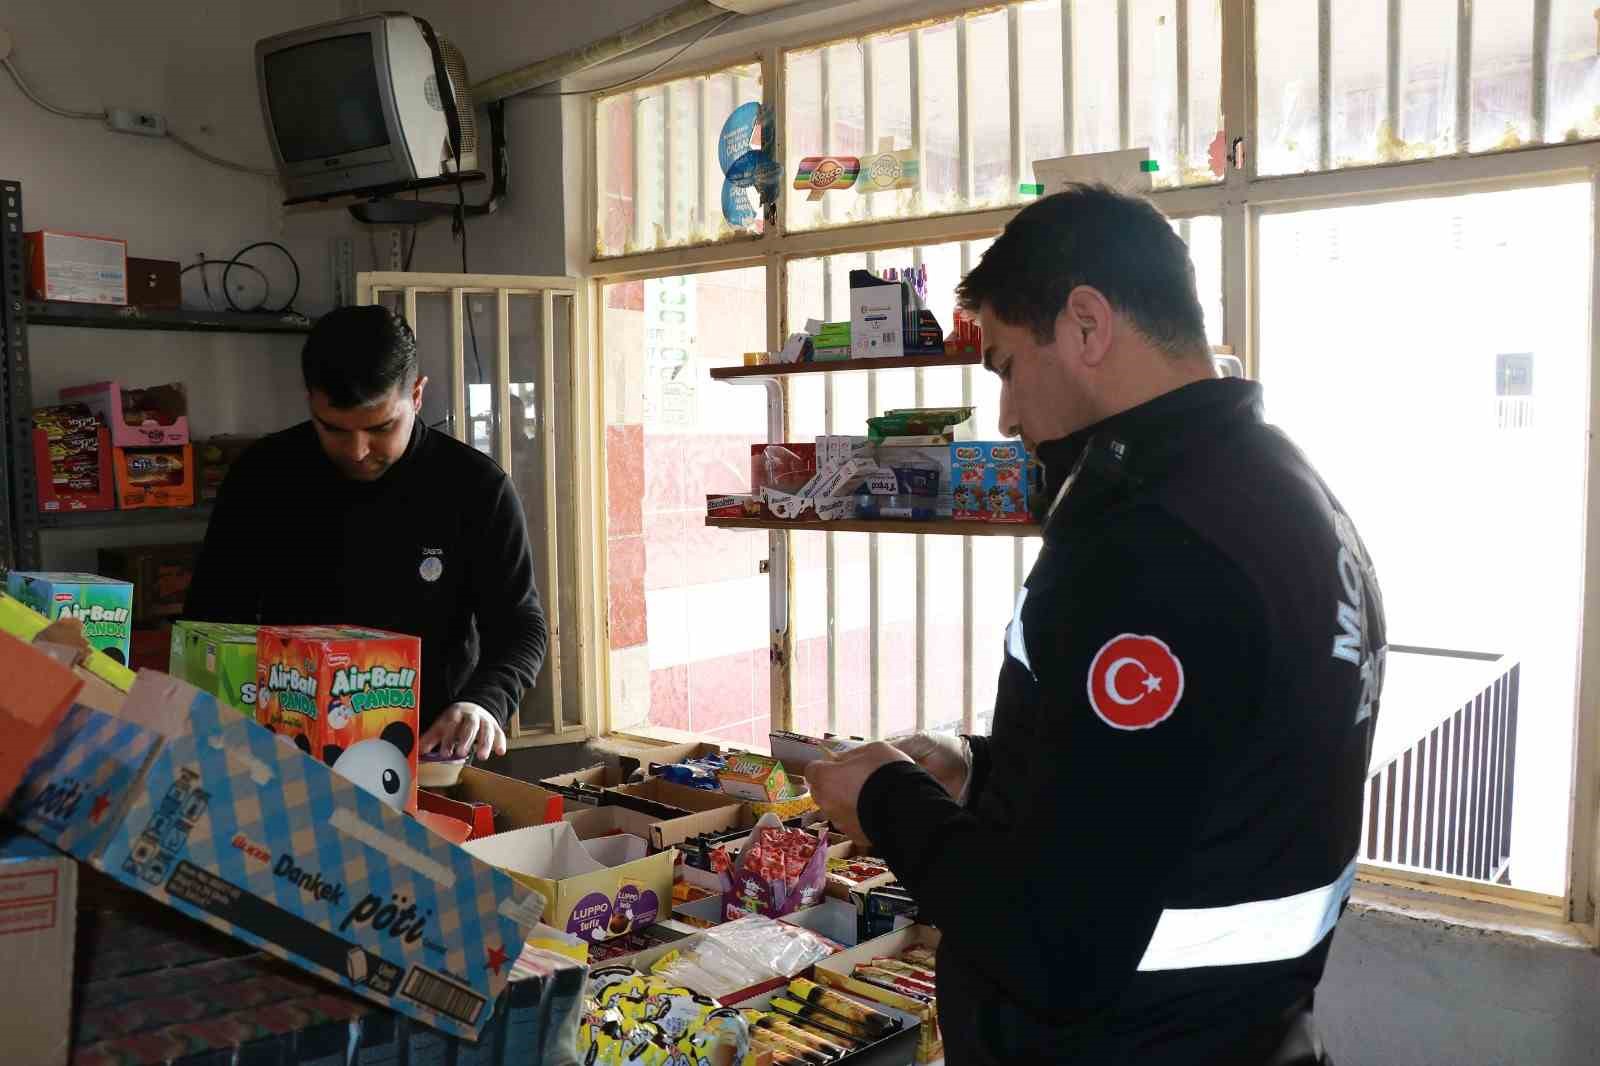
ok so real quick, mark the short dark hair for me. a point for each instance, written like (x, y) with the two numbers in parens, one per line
(1092, 235)
(357, 355)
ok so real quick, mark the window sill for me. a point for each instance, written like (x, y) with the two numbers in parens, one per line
(653, 736)
(1470, 908)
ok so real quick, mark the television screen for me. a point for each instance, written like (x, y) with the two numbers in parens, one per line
(324, 98)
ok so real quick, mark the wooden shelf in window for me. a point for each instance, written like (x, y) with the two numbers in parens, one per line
(843, 366)
(946, 527)
(106, 316)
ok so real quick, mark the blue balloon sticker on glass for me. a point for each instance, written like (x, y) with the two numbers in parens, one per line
(736, 206)
(738, 133)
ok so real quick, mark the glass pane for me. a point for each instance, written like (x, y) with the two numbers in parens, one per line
(805, 124)
(989, 93)
(1502, 74)
(482, 348)
(1205, 91)
(847, 125)
(1360, 80)
(1203, 235)
(660, 181)
(941, 163)
(1471, 503)
(688, 605)
(1094, 77)
(1574, 70)
(435, 350)
(1427, 80)
(1286, 72)
(1153, 83)
(1043, 124)
(891, 119)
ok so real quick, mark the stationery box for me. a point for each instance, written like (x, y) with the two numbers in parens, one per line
(210, 814)
(76, 267)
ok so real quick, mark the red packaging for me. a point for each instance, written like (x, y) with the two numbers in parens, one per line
(777, 872)
(785, 467)
(92, 492)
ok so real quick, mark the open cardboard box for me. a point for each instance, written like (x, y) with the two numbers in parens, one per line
(593, 889)
(492, 803)
(38, 927)
(213, 815)
(834, 972)
(668, 800)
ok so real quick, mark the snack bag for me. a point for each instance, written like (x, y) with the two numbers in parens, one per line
(777, 872)
(347, 696)
(630, 1018)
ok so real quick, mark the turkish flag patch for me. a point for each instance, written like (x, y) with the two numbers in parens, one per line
(1135, 682)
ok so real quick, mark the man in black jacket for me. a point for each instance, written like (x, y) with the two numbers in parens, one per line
(364, 515)
(1145, 859)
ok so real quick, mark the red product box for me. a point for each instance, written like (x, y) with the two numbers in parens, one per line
(60, 498)
(138, 418)
(346, 696)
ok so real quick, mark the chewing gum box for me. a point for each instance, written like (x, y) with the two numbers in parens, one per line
(347, 697)
(103, 605)
(208, 813)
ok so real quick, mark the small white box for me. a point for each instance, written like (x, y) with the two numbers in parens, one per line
(77, 267)
(877, 318)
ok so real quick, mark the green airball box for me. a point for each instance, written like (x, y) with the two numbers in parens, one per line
(104, 605)
(219, 658)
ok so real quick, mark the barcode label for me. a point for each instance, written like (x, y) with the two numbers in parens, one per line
(891, 338)
(446, 997)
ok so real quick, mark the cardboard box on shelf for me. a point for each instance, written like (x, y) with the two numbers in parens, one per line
(214, 816)
(878, 315)
(347, 696)
(834, 972)
(38, 913)
(153, 477)
(492, 803)
(154, 283)
(160, 575)
(756, 778)
(86, 482)
(76, 267)
(104, 605)
(214, 457)
(594, 890)
(219, 658)
(150, 417)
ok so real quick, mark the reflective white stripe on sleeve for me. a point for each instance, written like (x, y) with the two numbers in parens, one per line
(1268, 930)
(1016, 643)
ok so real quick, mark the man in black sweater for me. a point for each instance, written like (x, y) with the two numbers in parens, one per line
(1145, 859)
(363, 515)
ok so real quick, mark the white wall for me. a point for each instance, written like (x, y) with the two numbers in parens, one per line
(195, 65)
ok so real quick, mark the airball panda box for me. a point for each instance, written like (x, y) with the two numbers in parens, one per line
(347, 697)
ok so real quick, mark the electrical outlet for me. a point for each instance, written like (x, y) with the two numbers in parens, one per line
(143, 123)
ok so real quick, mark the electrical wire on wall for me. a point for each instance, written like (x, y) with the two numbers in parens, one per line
(237, 262)
(101, 116)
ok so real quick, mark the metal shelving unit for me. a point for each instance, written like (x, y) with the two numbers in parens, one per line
(99, 316)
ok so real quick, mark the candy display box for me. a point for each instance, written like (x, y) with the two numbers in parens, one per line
(210, 814)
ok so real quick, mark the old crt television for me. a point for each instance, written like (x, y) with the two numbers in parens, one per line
(355, 106)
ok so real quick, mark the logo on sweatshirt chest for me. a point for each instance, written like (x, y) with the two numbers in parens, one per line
(431, 568)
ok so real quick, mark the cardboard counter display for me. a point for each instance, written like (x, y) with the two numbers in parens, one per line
(835, 973)
(492, 803)
(38, 908)
(214, 816)
(593, 889)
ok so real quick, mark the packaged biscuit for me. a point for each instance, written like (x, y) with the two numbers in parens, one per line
(102, 604)
(347, 696)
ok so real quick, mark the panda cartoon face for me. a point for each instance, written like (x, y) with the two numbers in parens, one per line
(381, 766)
(339, 714)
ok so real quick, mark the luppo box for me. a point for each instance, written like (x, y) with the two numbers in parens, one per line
(210, 814)
(348, 697)
(219, 658)
(104, 605)
(991, 483)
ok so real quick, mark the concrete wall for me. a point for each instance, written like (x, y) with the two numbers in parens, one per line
(1407, 992)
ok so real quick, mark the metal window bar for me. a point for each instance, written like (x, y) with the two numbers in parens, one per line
(1541, 70)
(830, 549)
(704, 139)
(874, 596)
(1394, 50)
(636, 105)
(668, 229)
(919, 618)
(377, 288)
(1463, 75)
(1181, 32)
(1444, 804)
(1068, 120)
(1014, 95)
(1124, 97)
(964, 108)
(1324, 84)
(969, 577)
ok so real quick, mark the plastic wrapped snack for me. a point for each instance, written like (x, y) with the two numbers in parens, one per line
(631, 1018)
(777, 872)
(738, 955)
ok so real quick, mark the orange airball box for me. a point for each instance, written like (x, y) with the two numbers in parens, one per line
(346, 696)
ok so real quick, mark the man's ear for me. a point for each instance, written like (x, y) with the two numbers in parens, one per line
(1088, 321)
(416, 393)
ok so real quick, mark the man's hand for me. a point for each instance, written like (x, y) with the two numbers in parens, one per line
(836, 784)
(943, 756)
(463, 729)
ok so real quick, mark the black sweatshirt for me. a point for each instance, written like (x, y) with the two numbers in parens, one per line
(1163, 823)
(436, 548)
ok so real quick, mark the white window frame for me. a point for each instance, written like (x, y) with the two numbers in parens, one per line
(1240, 200)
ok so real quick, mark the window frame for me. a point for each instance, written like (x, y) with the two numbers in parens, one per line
(1240, 200)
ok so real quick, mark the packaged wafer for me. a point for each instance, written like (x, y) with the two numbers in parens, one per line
(824, 1019)
(874, 1022)
(832, 1045)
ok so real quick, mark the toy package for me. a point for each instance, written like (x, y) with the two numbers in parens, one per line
(219, 658)
(348, 697)
(104, 605)
(991, 483)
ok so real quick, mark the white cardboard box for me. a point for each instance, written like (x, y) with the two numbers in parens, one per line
(38, 918)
